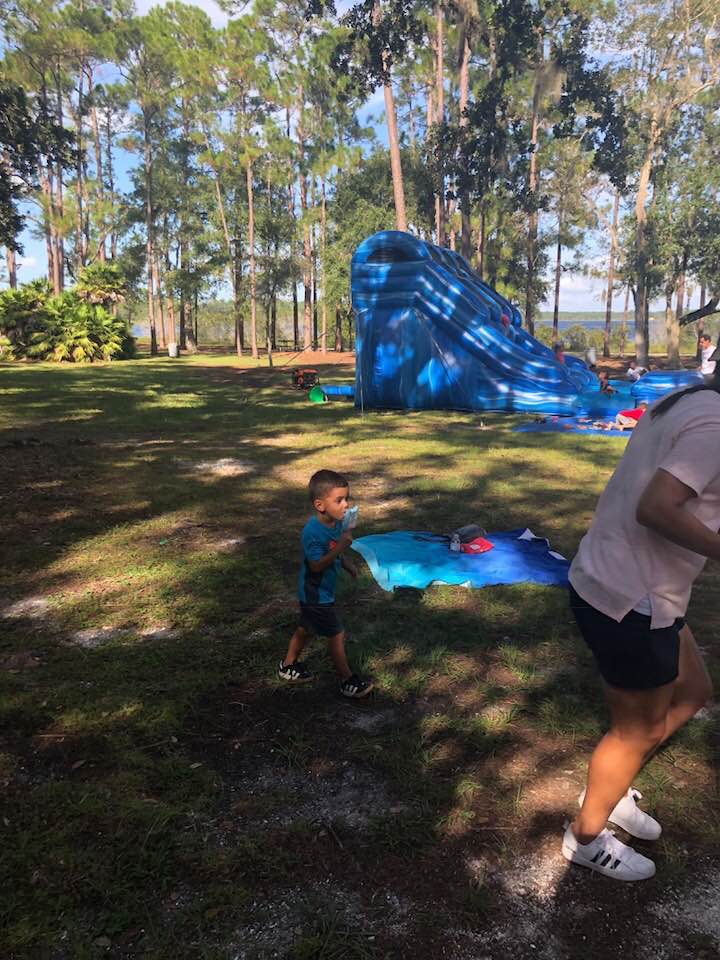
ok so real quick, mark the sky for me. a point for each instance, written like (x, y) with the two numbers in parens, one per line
(577, 293)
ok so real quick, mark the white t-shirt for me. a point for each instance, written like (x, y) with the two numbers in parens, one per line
(619, 561)
(636, 373)
(707, 366)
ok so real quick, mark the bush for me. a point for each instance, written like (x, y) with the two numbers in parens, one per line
(38, 326)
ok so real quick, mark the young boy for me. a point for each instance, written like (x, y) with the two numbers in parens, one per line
(324, 543)
(605, 383)
(628, 419)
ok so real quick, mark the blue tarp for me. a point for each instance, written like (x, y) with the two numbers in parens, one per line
(569, 425)
(409, 559)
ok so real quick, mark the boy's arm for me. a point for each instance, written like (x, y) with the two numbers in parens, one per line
(317, 566)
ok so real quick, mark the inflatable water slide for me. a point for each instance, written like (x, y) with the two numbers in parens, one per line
(431, 335)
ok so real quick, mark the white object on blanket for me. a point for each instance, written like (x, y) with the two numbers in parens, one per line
(527, 534)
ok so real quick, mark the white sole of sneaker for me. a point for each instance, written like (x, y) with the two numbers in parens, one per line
(574, 857)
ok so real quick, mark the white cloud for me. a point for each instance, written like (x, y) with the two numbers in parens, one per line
(28, 262)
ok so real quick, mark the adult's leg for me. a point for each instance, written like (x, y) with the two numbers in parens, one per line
(637, 725)
(693, 687)
(297, 644)
(336, 646)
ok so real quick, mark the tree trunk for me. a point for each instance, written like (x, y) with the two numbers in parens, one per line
(395, 163)
(323, 280)
(533, 218)
(171, 330)
(11, 267)
(700, 325)
(393, 138)
(111, 187)
(339, 346)
(680, 302)
(160, 311)
(464, 200)
(313, 270)
(251, 262)
(439, 119)
(80, 250)
(480, 256)
(149, 235)
(291, 211)
(672, 331)
(50, 239)
(611, 274)
(102, 228)
(558, 271)
(59, 254)
(623, 325)
(307, 277)
(641, 293)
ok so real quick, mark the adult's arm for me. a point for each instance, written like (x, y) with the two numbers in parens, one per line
(661, 508)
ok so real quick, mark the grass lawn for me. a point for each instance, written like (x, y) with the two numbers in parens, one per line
(165, 796)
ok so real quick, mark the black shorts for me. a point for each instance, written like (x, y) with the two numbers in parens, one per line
(320, 618)
(629, 654)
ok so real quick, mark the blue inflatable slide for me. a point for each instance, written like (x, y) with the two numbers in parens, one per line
(430, 335)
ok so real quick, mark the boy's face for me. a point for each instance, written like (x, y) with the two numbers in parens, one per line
(334, 504)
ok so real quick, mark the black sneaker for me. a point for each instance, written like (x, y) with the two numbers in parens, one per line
(356, 687)
(294, 672)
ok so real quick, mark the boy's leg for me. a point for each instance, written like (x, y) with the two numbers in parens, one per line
(336, 647)
(298, 642)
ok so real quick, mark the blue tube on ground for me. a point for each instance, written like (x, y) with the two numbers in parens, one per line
(339, 389)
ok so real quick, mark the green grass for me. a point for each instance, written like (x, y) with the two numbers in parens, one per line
(151, 783)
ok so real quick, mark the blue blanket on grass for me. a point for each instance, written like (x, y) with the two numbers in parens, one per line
(569, 425)
(405, 558)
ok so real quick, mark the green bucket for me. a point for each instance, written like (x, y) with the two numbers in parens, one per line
(317, 395)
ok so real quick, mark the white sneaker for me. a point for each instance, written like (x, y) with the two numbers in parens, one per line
(628, 815)
(609, 856)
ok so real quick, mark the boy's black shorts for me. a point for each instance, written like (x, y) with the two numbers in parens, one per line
(320, 618)
(629, 654)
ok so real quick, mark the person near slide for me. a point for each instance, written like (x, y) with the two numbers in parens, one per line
(655, 525)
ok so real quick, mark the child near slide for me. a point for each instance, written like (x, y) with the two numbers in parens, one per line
(628, 419)
(324, 543)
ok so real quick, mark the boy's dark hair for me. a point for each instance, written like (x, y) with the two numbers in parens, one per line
(322, 482)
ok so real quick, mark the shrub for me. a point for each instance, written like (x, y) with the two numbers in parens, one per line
(21, 315)
(39, 326)
(101, 284)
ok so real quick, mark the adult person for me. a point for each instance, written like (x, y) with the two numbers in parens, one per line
(655, 524)
(707, 365)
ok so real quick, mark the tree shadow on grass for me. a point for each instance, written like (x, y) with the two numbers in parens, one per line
(216, 788)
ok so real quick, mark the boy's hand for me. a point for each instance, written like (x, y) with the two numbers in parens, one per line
(345, 540)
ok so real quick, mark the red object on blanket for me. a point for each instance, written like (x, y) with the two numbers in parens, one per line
(478, 545)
